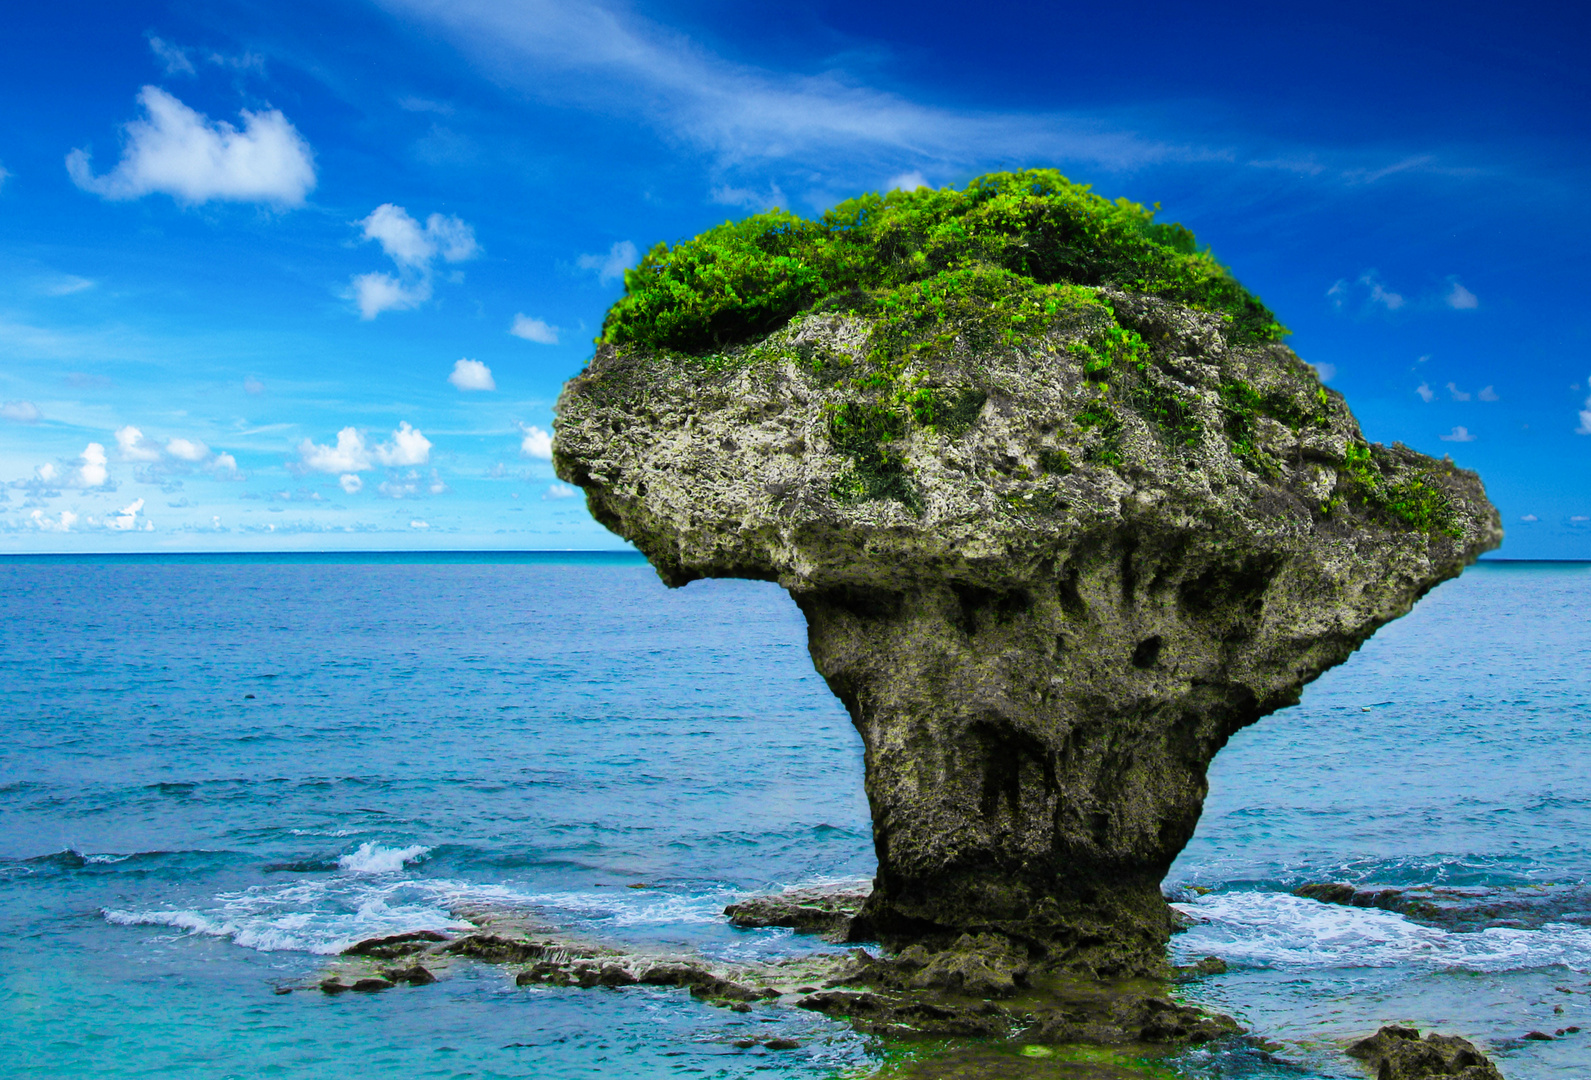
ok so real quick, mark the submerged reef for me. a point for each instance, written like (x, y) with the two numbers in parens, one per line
(1061, 510)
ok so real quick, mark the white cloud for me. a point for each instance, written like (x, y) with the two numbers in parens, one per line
(1458, 434)
(437, 486)
(5, 174)
(560, 491)
(63, 524)
(173, 58)
(1460, 298)
(130, 445)
(251, 385)
(418, 524)
(1488, 394)
(92, 473)
(1457, 394)
(907, 181)
(188, 156)
(611, 267)
(126, 518)
(1426, 393)
(187, 449)
(402, 238)
(377, 292)
(21, 412)
(224, 465)
(1325, 372)
(1585, 417)
(536, 443)
(1530, 517)
(408, 447)
(398, 489)
(350, 455)
(46, 472)
(534, 330)
(350, 483)
(472, 375)
(415, 249)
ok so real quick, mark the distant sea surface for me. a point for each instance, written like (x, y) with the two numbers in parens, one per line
(216, 773)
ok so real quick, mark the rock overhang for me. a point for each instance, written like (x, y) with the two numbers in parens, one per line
(1055, 542)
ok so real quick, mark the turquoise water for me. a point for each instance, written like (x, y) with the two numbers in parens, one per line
(218, 772)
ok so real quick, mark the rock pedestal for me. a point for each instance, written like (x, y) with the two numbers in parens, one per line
(1047, 587)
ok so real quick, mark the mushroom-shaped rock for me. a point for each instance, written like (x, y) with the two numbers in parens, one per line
(1061, 511)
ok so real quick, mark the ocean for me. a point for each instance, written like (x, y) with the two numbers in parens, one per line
(219, 771)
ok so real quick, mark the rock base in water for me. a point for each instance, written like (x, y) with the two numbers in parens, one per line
(1398, 1053)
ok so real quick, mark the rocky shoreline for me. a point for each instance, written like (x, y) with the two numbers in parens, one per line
(976, 1007)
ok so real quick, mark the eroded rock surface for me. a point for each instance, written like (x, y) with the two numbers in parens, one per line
(1043, 629)
(1398, 1053)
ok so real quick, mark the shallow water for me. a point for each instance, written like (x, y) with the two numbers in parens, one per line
(425, 733)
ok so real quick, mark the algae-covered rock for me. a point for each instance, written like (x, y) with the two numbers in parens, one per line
(1398, 1053)
(1062, 512)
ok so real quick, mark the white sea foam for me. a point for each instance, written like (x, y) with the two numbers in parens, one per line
(322, 917)
(1276, 930)
(372, 858)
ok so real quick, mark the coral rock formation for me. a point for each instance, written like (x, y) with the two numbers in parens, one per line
(1058, 533)
(1398, 1053)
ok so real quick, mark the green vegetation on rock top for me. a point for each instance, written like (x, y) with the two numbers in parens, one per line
(743, 279)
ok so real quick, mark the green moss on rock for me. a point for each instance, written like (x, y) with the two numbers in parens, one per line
(916, 255)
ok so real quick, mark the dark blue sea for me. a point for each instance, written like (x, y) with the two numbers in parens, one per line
(217, 772)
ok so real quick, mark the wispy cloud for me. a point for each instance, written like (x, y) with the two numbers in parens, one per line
(1458, 434)
(1585, 417)
(612, 60)
(1364, 293)
(1456, 394)
(65, 285)
(173, 58)
(1459, 298)
(183, 153)
(21, 412)
(611, 266)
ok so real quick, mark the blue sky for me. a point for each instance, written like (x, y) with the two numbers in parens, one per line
(310, 276)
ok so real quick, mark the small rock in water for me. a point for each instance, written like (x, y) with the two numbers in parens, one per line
(395, 945)
(828, 914)
(333, 986)
(781, 1044)
(1538, 1036)
(280, 990)
(745, 1044)
(1398, 1053)
(372, 985)
(414, 976)
(1210, 965)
